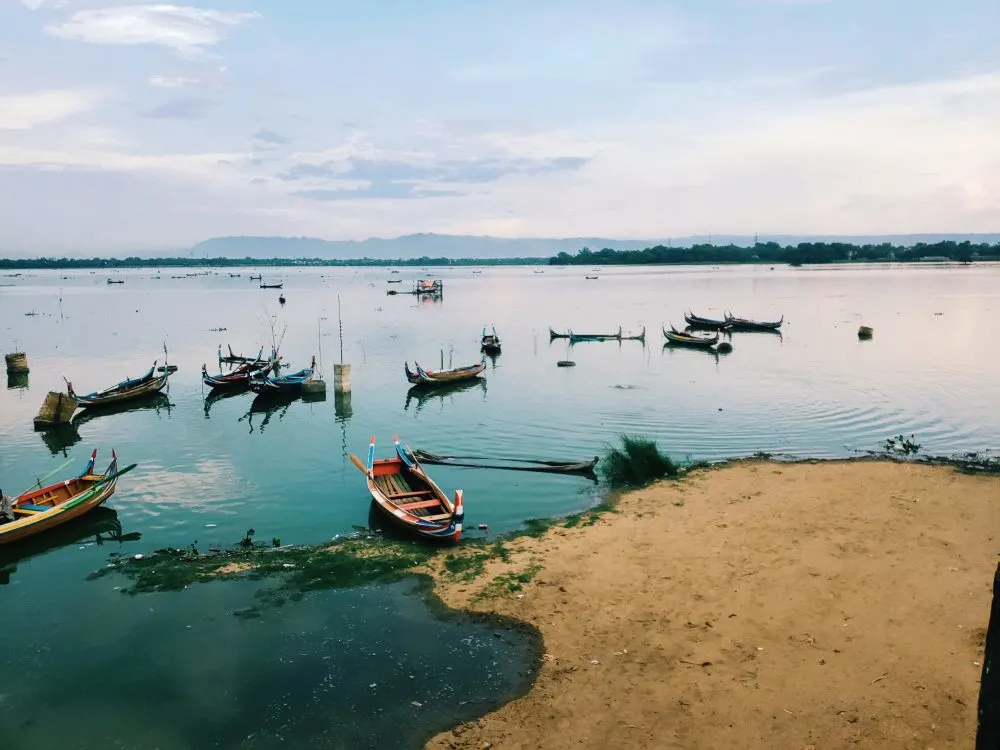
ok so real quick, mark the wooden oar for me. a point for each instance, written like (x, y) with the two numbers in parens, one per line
(38, 482)
(114, 476)
(357, 462)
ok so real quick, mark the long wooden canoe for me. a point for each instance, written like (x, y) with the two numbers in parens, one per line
(690, 339)
(404, 493)
(38, 510)
(745, 324)
(238, 378)
(126, 390)
(696, 321)
(282, 385)
(440, 377)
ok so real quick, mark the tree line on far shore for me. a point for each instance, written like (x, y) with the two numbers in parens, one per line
(772, 252)
(135, 262)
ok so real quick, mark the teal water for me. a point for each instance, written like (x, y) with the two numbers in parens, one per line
(210, 470)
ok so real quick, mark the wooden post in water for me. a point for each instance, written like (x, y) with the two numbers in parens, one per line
(988, 733)
(341, 372)
(56, 409)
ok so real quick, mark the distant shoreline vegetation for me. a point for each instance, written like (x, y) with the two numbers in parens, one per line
(133, 262)
(700, 254)
(772, 252)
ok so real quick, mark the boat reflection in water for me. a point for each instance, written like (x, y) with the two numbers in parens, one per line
(157, 402)
(100, 526)
(425, 394)
(682, 350)
(220, 394)
(60, 437)
(269, 405)
(17, 381)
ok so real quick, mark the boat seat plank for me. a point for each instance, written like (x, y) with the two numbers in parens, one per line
(438, 517)
(418, 493)
(28, 509)
(418, 504)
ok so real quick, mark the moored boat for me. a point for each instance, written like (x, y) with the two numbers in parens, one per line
(281, 384)
(575, 337)
(126, 390)
(240, 376)
(404, 493)
(439, 377)
(429, 286)
(691, 339)
(555, 335)
(490, 342)
(745, 324)
(696, 321)
(38, 510)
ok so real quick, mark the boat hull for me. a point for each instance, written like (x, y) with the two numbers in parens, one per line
(147, 388)
(443, 377)
(445, 526)
(78, 496)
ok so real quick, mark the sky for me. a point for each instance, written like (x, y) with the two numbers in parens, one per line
(127, 125)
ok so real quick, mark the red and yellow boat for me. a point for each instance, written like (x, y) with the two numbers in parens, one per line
(39, 510)
(409, 498)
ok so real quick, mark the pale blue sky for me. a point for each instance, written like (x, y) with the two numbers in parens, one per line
(130, 125)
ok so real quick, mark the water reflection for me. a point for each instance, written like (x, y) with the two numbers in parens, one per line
(343, 412)
(157, 402)
(60, 437)
(269, 405)
(683, 350)
(423, 395)
(17, 381)
(100, 526)
(220, 394)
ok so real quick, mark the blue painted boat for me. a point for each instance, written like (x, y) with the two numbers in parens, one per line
(282, 384)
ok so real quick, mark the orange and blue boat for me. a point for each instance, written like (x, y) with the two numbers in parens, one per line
(409, 498)
(36, 511)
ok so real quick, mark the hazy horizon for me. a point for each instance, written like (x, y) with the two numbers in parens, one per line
(129, 127)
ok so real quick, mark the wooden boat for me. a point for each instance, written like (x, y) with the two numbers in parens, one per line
(429, 286)
(440, 377)
(696, 321)
(404, 493)
(112, 281)
(254, 278)
(38, 510)
(394, 281)
(490, 342)
(272, 286)
(554, 335)
(281, 384)
(239, 359)
(591, 278)
(745, 324)
(126, 390)
(691, 339)
(575, 337)
(551, 467)
(240, 377)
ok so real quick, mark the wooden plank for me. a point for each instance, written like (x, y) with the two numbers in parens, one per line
(418, 493)
(419, 504)
(439, 517)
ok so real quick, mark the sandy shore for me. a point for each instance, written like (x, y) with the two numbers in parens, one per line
(760, 605)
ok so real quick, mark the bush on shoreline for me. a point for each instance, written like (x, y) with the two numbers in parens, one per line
(636, 461)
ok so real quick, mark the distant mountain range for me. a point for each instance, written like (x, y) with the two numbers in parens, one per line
(461, 246)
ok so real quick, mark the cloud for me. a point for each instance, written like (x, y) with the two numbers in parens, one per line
(184, 108)
(25, 111)
(449, 171)
(186, 30)
(36, 4)
(394, 190)
(269, 136)
(175, 82)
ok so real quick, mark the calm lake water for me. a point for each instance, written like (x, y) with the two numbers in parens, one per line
(178, 670)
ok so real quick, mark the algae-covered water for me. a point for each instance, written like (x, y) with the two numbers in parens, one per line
(180, 670)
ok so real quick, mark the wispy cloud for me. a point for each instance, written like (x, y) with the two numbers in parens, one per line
(188, 31)
(269, 136)
(26, 111)
(184, 108)
(36, 4)
(174, 82)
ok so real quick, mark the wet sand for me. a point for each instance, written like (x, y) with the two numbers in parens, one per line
(758, 605)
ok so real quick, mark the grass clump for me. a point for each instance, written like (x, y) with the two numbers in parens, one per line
(508, 583)
(466, 567)
(635, 462)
